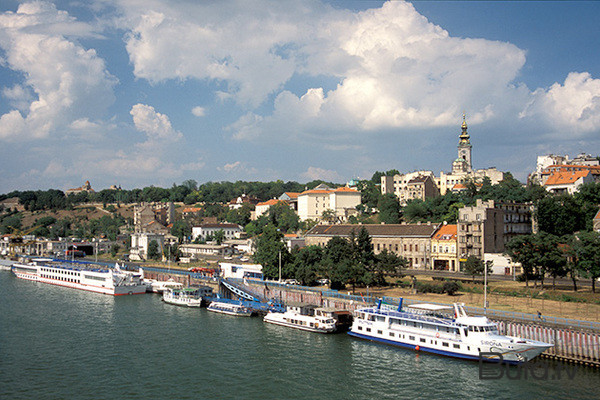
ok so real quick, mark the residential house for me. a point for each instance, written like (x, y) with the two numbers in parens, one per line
(291, 198)
(231, 231)
(140, 242)
(263, 207)
(559, 179)
(341, 201)
(444, 248)
(239, 201)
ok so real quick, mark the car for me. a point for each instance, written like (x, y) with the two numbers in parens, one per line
(323, 281)
(291, 282)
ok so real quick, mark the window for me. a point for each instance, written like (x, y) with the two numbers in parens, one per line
(416, 247)
(380, 332)
(368, 329)
(392, 334)
(445, 344)
(423, 340)
(456, 346)
(411, 338)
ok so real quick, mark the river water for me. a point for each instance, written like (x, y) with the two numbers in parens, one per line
(60, 343)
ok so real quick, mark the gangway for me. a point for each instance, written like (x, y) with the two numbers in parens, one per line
(243, 293)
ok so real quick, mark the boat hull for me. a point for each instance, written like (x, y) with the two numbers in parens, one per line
(276, 321)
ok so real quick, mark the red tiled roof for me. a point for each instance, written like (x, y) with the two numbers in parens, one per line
(338, 190)
(446, 230)
(292, 195)
(271, 202)
(191, 209)
(565, 178)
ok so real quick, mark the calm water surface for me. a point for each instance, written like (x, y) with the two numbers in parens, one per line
(59, 343)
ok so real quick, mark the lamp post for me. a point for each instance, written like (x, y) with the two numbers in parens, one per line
(279, 266)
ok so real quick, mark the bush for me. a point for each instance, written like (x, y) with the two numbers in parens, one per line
(450, 287)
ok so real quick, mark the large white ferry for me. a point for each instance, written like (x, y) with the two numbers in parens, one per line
(113, 281)
(302, 317)
(435, 329)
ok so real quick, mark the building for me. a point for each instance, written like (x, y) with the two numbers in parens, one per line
(87, 187)
(566, 179)
(231, 231)
(342, 202)
(291, 198)
(241, 271)
(462, 171)
(153, 218)
(239, 201)
(444, 248)
(488, 226)
(190, 212)
(411, 241)
(191, 252)
(140, 242)
(462, 168)
(413, 185)
(263, 207)
(543, 162)
(292, 240)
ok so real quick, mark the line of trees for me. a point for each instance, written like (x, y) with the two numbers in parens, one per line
(343, 261)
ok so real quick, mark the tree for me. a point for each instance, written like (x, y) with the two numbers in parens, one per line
(268, 248)
(415, 210)
(329, 216)
(522, 249)
(389, 209)
(388, 263)
(114, 249)
(474, 266)
(307, 264)
(586, 247)
(219, 236)
(337, 261)
(551, 257)
(153, 250)
(181, 229)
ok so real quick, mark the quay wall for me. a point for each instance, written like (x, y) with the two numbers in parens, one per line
(573, 345)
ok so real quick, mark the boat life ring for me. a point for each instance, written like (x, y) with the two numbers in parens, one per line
(417, 348)
(437, 335)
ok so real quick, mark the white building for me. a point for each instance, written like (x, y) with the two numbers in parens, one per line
(263, 207)
(140, 242)
(191, 252)
(240, 271)
(342, 201)
(232, 231)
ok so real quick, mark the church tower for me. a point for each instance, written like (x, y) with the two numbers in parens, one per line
(463, 162)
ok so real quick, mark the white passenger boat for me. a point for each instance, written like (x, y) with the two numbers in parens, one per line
(187, 297)
(155, 286)
(302, 317)
(445, 330)
(222, 307)
(113, 281)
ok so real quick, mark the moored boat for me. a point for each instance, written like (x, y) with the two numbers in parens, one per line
(187, 297)
(304, 317)
(156, 286)
(445, 330)
(113, 281)
(238, 310)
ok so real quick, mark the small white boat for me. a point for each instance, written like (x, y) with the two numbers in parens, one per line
(303, 317)
(182, 297)
(154, 286)
(222, 307)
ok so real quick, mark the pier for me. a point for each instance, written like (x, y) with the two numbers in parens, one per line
(576, 342)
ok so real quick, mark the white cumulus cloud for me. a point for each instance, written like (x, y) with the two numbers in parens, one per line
(155, 125)
(68, 81)
(199, 111)
(314, 173)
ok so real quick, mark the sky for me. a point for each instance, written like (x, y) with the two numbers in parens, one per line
(155, 92)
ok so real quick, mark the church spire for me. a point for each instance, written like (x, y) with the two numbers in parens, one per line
(464, 136)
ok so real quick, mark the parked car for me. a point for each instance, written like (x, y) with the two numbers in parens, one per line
(291, 282)
(323, 281)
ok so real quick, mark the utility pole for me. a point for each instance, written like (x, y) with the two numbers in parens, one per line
(279, 266)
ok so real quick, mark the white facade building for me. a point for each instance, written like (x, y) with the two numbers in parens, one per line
(232, 231)
(241, 271)
(342, 201)
(140, 242)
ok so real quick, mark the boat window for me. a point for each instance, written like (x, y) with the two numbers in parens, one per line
(423, 340)
(380, 332)
(411, 338)
(445, 344)
(380, 319)
(456, 346)
(392, 334)
(360, 328)
(368, 329)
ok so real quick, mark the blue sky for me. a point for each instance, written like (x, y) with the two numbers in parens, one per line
(151, 92)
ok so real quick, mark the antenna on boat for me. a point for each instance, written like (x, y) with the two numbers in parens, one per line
(379, 304)
(400, 304)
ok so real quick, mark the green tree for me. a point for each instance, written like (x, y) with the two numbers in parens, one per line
(219, 236)
(114, 249)
(389, 209)
(153, 250)
(268, 248)
(329, 216)
(475, 266)
(522, 249)
(337, 261)
(388, 263)
(181, 229)
(307, 264)
(586, 247)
